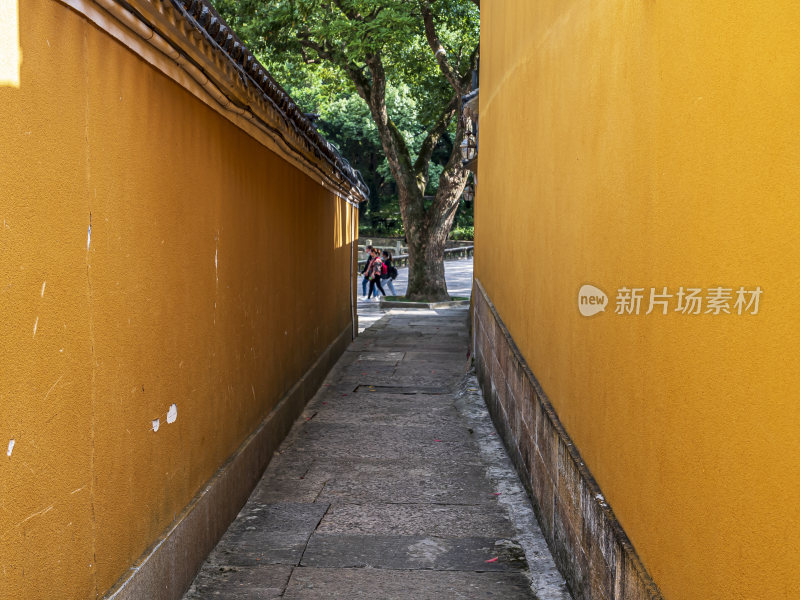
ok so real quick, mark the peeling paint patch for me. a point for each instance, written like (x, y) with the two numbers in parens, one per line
(172, 414)
(156, 424)
(10, 447)
(35, 325)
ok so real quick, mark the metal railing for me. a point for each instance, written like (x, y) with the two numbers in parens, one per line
(401, 260)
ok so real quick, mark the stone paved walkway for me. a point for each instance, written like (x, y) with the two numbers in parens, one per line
(458, 274)
(391, 486)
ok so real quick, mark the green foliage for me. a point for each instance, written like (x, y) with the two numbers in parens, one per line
(462, 232)
(283, 33)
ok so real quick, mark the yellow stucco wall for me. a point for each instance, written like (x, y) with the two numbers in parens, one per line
(650, 144)
(214, 276)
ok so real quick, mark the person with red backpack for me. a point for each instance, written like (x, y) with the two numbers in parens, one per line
(389, 272)
(364, 271)
(374, 273)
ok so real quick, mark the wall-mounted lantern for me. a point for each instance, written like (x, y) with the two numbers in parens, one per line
(469, 147)
(468, 195)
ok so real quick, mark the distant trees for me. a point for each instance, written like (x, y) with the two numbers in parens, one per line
(409, 62)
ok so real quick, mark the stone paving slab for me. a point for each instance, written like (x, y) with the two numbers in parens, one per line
(424, 444)
(384, 584)
(359, 434)
(387, 492)
(399, 410)
(269, 534)
(413, 552)
(411, 487)
(260, 582)
(330, 479)
(416, 520)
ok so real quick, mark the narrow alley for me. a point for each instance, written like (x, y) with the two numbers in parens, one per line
(391, 485)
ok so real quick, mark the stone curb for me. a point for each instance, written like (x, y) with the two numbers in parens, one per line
(429, 305)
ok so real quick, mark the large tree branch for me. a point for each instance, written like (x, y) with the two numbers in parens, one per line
(337, 57)
(307, 59)
(348, 12)
(451, 184)
(474, 58)
(429, 144)
(392, 140)
(439, 53)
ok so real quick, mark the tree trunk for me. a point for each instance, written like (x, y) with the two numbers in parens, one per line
(426, 228)
(426, 279)
(427, 235)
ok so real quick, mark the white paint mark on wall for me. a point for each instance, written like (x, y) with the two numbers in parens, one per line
(10, 52)
(35, 326)
(172, 414)
(44, 283)
(78, 490)
(52, 387)
(89, 235)
(10, 447)
(36, 514)
(156, 424)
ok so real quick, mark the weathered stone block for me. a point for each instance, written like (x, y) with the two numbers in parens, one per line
(513, 412)
(568, 554)
(538, 415)
(499, 380)
(598, 535)
(547, 442)
(526, 402)
(569, 484)
(515, 377)
(543, 493)
(501, 349)
(636, 585)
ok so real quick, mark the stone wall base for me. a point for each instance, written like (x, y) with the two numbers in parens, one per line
(166, 570)
(588, 544)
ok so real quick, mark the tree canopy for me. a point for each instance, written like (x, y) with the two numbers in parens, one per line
(386, 78)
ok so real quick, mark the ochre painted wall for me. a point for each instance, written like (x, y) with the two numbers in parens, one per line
(651, 144)
(214, 276)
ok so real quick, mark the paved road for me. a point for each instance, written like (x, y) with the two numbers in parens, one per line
(458, 274)
(391, 486)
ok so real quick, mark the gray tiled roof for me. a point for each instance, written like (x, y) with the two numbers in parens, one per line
(205, 18)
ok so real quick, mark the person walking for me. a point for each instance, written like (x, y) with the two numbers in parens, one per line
(374, 273)
(390, 273)
(364, 272)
